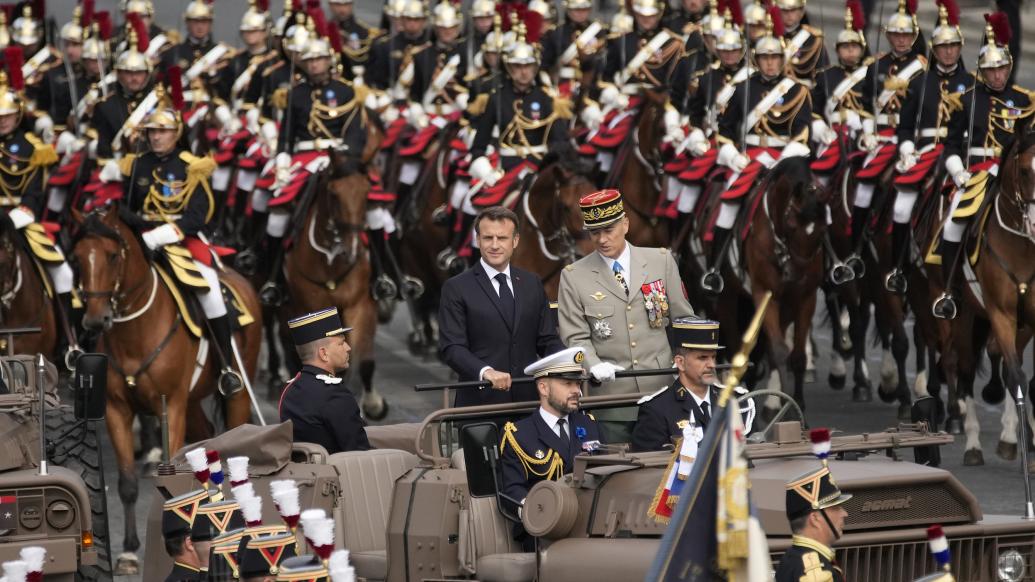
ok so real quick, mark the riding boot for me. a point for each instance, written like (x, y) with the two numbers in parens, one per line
(945, 306)
(249, 261)
(895, 281)
(270, 293)
(712, 281)
(443, 216)
(859, 216)
(383, 285)
(229, 380)
(449, 258)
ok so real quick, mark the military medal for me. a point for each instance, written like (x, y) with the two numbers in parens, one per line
(602, 329)
(535, 110)
(539, 454)
(655, 301)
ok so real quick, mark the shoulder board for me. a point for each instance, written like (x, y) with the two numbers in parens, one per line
(173, 35)
(1030, 94)
(650, 397)
(563, 107)
(869, 61)
(126, 164)
(812, 30)
(198, 165)
(43, 154)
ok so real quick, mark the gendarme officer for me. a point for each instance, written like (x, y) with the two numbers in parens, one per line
(178, 516)
(321, 408)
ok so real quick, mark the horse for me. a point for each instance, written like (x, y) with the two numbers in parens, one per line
(150, 349)
(783, 254)
(24, 300)
(328, 265)
(640, 174)
(551, 223)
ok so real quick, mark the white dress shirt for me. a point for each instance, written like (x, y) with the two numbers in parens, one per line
(551, 421)
(623, 259)
(491, 273)
(697, 400)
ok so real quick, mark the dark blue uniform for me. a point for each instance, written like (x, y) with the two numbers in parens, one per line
(663, 415)
(807, 559)
(110, 115)
(323, 411)
(326, 111)
(182, 573)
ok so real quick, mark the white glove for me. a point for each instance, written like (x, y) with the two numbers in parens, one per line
(166, 234)
(674, 135)
(906, 148)
(821, 132)
(592, 116)
(610, 96)
(604, 371)
(906, 156)
(954, 166)
(251, 121)
(44, 128)
(268, 132)
(727, 153)
(697, 143)
(852, 120)
(66, 143)
(795, 149)
(283, 160)
(283, 165)
(21, 216)
(739, 163)
(223, 115)
(462, 100)
(233, 126)
(671, 120)
(868, 141)
(110, 172)
(482, 170)
(416, 117)
(869, 125)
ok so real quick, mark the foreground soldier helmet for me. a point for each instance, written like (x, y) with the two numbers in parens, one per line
(255, 18)
(133, 58)
(11, 101)
(772, 42)
(729, 38)
(73, 30)
(903, 21)
(995, 52)
(198, 10)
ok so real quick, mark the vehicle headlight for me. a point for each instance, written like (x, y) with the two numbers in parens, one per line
(1011, 566)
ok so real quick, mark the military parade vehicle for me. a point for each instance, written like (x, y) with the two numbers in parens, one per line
(52, 491)
(425, 504)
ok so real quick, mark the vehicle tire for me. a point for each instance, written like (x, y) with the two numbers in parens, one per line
(80, 451)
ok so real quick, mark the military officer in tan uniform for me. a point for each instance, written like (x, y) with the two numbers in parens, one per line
(616, 304)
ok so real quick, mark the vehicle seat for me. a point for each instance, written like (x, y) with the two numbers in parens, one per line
(367, 481)
(490, 547)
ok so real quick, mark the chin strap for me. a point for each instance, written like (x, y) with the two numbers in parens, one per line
(830, 524)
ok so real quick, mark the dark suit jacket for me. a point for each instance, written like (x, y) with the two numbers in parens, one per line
(323, 413)
(473, 332)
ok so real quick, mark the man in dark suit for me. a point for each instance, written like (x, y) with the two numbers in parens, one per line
(495, 319)
(690, 400)
(320, 407)
(543, 445)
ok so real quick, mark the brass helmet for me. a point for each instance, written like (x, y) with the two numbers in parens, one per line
(95, 49)
(73, 31)
(772, 42)
(11, 99)
(790, 4)
(134, 57)
(413, 9)
(165, 115)
(26, 30)
(297, 36)
(647, 7)
(855, 27)
(622, 22)
(730, 38)
(446, 15)
(141, 7)
(521, 51)
(712, 22)
(994, 53)
(948, 29)
(394, 8)
(754, 14)
(340, 2)
(903, 21)
(543, 8)
(198, 10)
(257, 17)
(482, 8)
(578, 4)
(317, 48)
(5, 34)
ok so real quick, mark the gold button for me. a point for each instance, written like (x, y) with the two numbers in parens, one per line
(600, 315)
(632, 344)
(630, 326)
(628, 307)
(636, 362)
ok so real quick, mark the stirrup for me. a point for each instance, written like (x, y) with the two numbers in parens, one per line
(230, 382)
(440, 216)
(895, 282)
(944, 307)
(246, 262)
(712, 282)
(72, 356)
(412, 287)
(384, 288)
(271, 295)
(841, 273)
(447, 259)
(857, 265)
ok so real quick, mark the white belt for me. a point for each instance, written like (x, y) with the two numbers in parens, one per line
(320, 144)
(568, 73)
(887, 119)
(522, 151)
(633, 88)
(986, 152)
(939, 132)
(765, 140)
(440, 109)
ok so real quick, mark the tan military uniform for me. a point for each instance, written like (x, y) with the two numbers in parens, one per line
(595, 314)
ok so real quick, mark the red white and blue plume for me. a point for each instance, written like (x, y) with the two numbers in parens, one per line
(939, 546)
(820, 438)
(215, 468)
(198, 461)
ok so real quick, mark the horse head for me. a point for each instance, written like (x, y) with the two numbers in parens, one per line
(554, 198)
(1018, 174)
(343, 208)
(797, 210)
(103, 254)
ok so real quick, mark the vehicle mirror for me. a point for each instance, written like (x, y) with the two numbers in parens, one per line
(481, 443)
(90, 385)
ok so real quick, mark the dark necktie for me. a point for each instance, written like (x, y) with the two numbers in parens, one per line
(706, 418)
(564, 435)
(506, 297)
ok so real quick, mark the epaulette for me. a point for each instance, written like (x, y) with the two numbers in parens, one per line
(477, 107)
(198, 166)
(869, 61)
(650, 397)
(126, 164)
(269, 70)
(563, 107)
(173, 35)
(1027, 92)
(813, 30)
(43, 154)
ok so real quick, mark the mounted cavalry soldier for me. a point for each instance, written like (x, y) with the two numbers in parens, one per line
(110, 124)
(144, 10)
(247, 63)
(27, 31)
(803, 44)
(767, 121)
(199, 43)
(168, 189)
(996, 108)
(389, 54)
(357, 35)
(569, 49)
(842, 97)
(925, 124)
(24, 163)
(60, 88)
(893, 72)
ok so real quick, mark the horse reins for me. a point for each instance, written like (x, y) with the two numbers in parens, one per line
(332, 254)
(569, 254)
(782, 250)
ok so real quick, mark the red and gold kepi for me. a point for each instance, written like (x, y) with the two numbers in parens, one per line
(602, 208)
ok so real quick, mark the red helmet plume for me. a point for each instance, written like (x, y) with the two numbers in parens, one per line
(952, 9)
(103, 20)
(774, 14)
(143, 41)
(334, 37)
(736, 12)
(14, 58)
(86, 18)
(911, 6)
(262, 5)
(174, 79)
(1000, 27)
(858, 17)
(319, 21)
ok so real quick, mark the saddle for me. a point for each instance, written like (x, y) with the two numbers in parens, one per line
(176, 270)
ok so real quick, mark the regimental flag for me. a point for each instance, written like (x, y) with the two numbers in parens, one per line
(8, 512)
(712, 533)
(676, 474)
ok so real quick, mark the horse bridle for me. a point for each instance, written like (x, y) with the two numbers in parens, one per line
(115, 293)
(781, 249)
(337, 231)
(558, 213)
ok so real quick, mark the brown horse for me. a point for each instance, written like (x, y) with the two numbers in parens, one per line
(152, 353)
(641, 175)
(24, 301)
(328, 265)
(783, 254)
(551, 229)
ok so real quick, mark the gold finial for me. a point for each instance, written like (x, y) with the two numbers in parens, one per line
(77, 14)
(943, 15)
(288, 6)
(3, 80)
(27, 11)
(131, 39)
(849, 21)
(497, 26)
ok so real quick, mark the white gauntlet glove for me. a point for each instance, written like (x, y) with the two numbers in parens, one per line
(44, 128)
(697, 143)
(604, 371)
(906, 156)
(821, 132)
(166, 234)
(110, 172)
(21, 217)
(954, 166)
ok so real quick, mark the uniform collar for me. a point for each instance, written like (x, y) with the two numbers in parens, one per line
(551, 420)
(321, 374)
(684, 392)
(186, 567)
(624, 259)
(807, 542)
